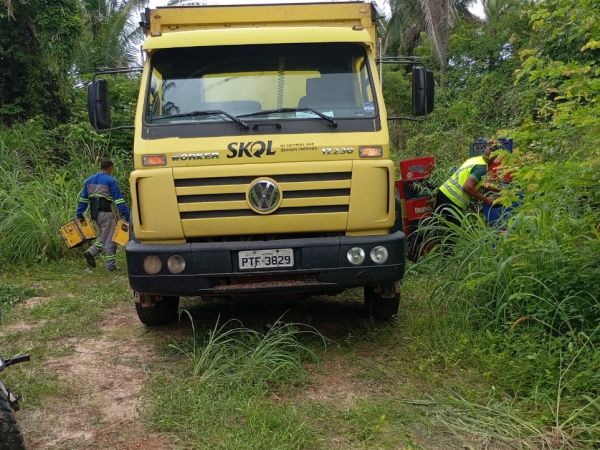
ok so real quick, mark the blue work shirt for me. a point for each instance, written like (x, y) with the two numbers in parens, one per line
(101, 185)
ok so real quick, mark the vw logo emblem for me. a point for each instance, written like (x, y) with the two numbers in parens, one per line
(264, 196)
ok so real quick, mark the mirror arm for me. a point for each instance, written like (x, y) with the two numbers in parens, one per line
(117, 70)
(122, 127)
(406, 60)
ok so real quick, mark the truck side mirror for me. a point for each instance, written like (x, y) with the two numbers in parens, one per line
(99, 105)
(422, 91)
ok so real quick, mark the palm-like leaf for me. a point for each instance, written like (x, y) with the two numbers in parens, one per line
(9, 8)
(411, 17)
(494, 8)
(405, 24)
(113, 33)
(439, 15)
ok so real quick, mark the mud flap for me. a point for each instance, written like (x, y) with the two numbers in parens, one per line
(388, 290)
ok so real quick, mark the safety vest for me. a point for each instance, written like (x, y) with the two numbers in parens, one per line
(453, 187)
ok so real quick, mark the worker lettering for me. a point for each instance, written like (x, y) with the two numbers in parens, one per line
(250, 149)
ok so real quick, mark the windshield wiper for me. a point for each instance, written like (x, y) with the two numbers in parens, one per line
(331, 121)
(212, 112)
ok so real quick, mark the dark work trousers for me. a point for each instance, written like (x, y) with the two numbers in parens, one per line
(104, 243)
(445, 208)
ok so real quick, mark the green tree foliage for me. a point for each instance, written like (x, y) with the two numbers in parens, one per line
(481, 96)
(560, 77)
(38, 39)
(410, 18)
(111, 36)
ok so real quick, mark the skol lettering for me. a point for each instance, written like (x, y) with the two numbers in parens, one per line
(252, 149)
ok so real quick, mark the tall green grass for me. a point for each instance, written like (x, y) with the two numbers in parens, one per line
(544, 268)
(524, 304)
(224, 396)
(41, 174)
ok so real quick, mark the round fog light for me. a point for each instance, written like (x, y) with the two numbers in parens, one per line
(152, 265)
(379, 254)
(356, 255)
(176, 264)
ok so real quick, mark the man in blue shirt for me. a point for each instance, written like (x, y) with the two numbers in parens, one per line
(99, 192)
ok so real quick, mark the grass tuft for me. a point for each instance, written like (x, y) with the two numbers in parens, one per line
(222, 398)
(11, 295)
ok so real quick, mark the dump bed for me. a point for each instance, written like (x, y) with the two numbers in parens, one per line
(357, 15)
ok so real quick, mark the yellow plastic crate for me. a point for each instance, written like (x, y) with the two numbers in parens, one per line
(76, 232)
(86, 228)
(121, 235)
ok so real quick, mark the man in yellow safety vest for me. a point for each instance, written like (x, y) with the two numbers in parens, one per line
(463, 186)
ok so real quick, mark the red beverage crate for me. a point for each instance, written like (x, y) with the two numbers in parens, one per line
(418, 168)
(418, 208)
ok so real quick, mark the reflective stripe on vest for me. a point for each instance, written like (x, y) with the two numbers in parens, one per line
(453, 187)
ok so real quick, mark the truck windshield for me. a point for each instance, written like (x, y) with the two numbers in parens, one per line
(332, 79)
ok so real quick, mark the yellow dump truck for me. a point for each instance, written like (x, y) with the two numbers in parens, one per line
(262, 160)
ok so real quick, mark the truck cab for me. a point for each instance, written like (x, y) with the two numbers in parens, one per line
(262, 159)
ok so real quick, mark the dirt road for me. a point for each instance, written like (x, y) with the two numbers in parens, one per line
(104, 375)
(95, 368)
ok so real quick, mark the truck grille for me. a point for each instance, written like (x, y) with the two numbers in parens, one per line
(250, 213)
(315, 198)
(233, 204)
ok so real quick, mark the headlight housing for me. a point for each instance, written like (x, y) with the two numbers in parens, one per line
(379, 254)
(356, 256)
(176, 264)
(152, 264)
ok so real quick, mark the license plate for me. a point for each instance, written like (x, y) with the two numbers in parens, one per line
(263, 259)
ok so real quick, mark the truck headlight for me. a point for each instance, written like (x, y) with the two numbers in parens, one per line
(176, 264)
(356, 256)
(152, 265)
(379, 254)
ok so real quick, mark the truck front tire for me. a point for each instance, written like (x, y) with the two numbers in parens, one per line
(379, 307)
(156, 309)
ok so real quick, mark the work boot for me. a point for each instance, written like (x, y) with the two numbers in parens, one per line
(89, 258)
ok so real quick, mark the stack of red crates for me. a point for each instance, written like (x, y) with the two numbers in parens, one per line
(414, 206)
